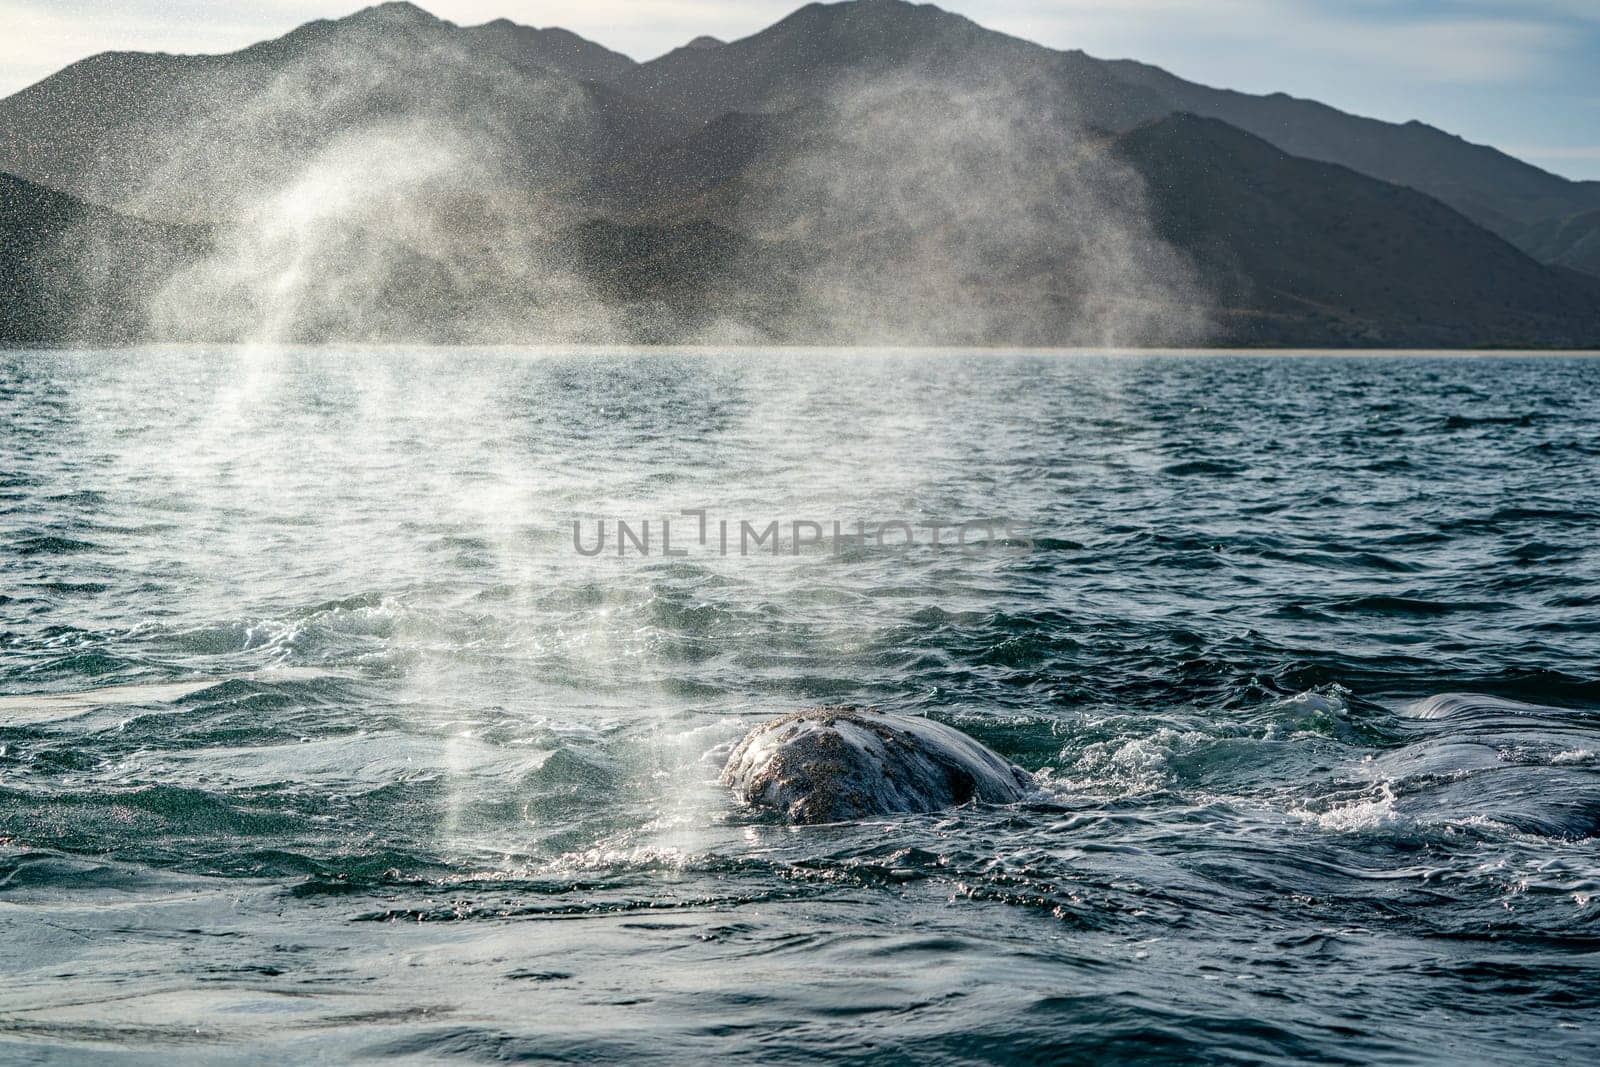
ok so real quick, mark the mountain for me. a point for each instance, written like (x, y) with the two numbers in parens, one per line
(821, 48)
(1297, 249)
(75, 272)
(1502, 193)
(1570, 241)
(101, 125)
(692, 176)
(1279, 250)
(192, 138)
(552, 48)
(865, 172)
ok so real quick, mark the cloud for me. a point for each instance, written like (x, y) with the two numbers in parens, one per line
(1461, 51)
(1575, 10)
(44, 37)
(1289, 37)
(1491, 70)
(1569, 152)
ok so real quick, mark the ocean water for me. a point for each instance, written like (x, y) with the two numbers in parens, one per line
(321, 740)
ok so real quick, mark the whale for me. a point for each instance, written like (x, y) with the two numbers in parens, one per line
(1481, 760)
(838, 763)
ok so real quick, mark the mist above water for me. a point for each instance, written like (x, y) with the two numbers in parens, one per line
(387, 182)
(395, 178)
(923, 212)
(402, 232)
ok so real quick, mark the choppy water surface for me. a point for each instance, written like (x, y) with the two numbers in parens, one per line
(318, 739)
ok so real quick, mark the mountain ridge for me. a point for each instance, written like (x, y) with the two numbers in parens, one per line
(48, 237)
(1505, 194)
(1332, 264)
(766, 69)
(781, 186)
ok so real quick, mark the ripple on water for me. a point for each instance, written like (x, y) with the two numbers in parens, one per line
(316, 716)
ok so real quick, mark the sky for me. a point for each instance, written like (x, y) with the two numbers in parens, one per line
(1522, 75)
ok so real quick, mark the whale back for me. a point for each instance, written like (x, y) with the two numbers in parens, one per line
(834, 764)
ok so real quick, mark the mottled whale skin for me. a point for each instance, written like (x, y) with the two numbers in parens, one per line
(835, 764)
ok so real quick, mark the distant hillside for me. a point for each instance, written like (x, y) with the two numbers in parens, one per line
(200, 137)
(822, 46)
(874, 171)
(100, 126)
(74, 272)
(822, 49)
(1572, 241)
(1299, 251)
(1286, 251)
(1498, 191)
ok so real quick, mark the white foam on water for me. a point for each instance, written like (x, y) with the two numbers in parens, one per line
(1362, 816)
(30, 708)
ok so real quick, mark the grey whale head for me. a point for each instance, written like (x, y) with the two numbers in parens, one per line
(834, 764)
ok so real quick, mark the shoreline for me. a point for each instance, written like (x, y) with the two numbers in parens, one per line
(552, 349)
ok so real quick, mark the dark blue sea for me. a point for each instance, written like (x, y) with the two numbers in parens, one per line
(322, 739)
